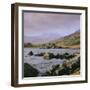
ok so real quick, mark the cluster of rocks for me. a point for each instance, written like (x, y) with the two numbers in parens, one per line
(66, 68)
(48, 55)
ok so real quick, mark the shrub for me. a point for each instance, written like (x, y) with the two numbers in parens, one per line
(29, 71)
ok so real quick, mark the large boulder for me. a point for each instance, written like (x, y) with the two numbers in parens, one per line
(30, 71)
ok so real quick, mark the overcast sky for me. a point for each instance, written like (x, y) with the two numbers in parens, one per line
(41, 27)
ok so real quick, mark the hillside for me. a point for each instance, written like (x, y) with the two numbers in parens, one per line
(70, 41)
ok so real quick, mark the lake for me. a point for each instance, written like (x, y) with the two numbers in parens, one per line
(40, 63)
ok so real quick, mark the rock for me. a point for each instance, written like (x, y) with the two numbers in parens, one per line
(46, 56)
(30, 53)
(30, 71)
